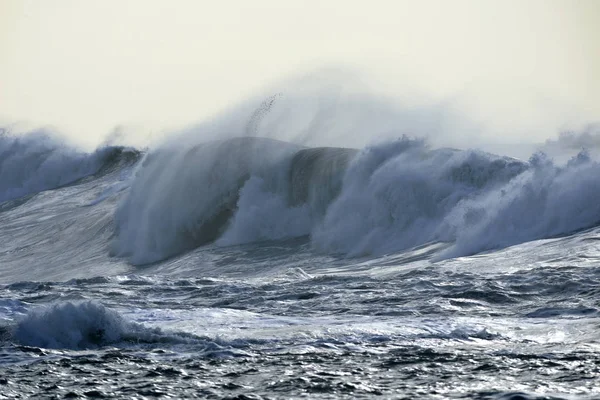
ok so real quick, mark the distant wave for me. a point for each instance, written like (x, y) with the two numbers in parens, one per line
(37, 161)
(382, 199)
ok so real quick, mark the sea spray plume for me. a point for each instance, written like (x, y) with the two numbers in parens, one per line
(334, 107)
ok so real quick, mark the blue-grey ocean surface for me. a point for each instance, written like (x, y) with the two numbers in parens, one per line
(257, 269)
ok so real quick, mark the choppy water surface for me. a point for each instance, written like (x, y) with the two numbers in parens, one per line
(297, 299)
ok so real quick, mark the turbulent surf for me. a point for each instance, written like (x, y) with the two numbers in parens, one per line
(249, 267)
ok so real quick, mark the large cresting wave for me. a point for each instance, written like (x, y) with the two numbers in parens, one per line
(382, 199)
(182, 198)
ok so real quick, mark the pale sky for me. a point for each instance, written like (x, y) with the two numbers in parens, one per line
(85, 67)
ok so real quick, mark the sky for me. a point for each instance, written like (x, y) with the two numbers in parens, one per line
(85, 67)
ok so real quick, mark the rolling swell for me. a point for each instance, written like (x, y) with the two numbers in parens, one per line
(382, 199)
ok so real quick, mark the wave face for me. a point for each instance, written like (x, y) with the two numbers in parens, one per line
(36, 162)
(182, 198)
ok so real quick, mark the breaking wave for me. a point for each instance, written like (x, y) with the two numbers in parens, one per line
(382, 199)
(400, 195)
(182, 198)
(38, 161)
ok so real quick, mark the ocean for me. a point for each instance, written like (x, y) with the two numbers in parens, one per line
(253, 268)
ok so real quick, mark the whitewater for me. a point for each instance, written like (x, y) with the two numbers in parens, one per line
(250, 265)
